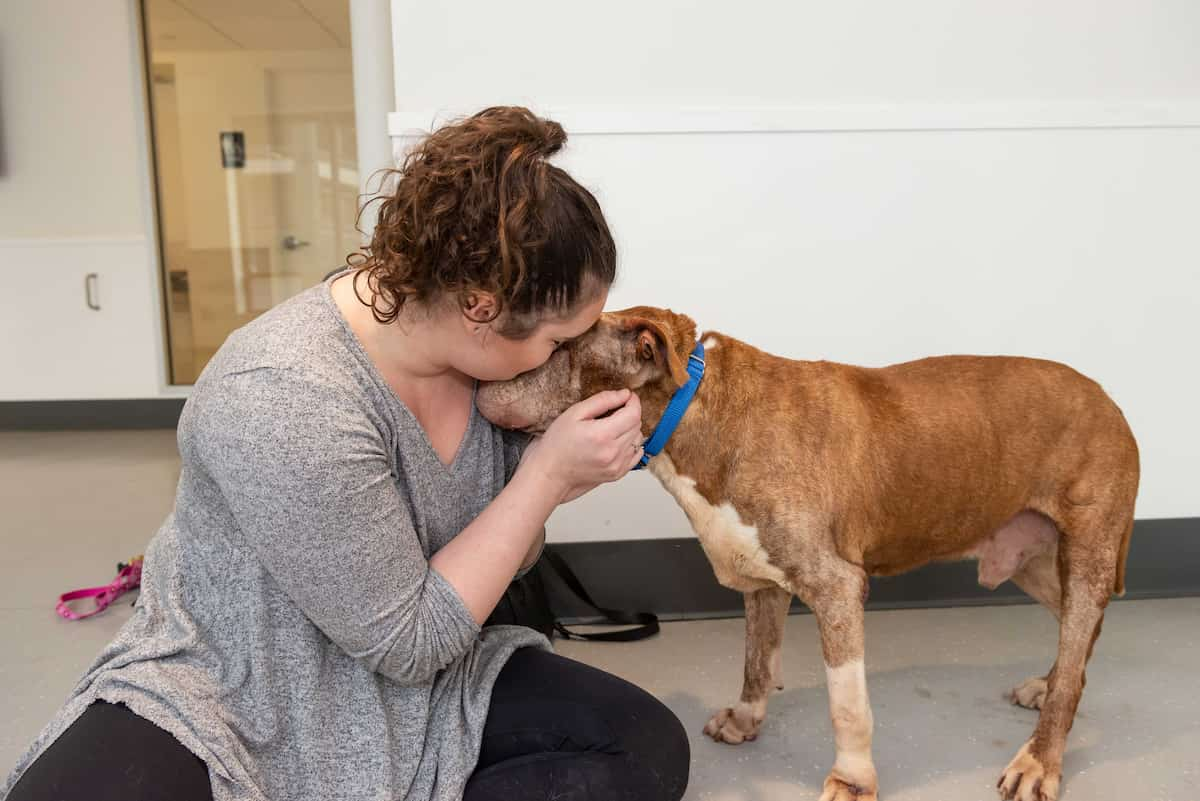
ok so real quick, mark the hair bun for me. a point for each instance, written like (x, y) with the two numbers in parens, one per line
(477, 206)
(553, 138)
(521, 126)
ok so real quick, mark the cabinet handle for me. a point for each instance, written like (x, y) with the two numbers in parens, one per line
(89, 290)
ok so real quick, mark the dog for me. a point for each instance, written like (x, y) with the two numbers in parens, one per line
(804, 478)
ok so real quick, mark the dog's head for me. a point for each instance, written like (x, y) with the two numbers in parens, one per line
(644, 349)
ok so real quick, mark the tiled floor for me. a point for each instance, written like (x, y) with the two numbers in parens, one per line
(73, 504)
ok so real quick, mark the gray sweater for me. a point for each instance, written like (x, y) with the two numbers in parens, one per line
(290, 631)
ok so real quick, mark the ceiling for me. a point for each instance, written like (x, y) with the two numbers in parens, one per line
(247, 24)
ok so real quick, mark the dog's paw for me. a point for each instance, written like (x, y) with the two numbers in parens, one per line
(736, 725)
(1027, 779)
(1029, 693)
(836, 789)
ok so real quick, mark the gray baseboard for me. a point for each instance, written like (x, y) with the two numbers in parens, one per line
(88, 415)
(672, 577)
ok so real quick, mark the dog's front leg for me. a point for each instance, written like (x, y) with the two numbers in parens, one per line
(766, 612)
(837, 603)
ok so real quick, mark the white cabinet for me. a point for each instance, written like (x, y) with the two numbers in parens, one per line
(54, 345)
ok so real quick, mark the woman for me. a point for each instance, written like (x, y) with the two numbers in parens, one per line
(310, 619)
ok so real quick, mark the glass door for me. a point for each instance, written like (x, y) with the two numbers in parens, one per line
(252, 115)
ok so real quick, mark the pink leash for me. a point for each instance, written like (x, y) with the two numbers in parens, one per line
(129, 577)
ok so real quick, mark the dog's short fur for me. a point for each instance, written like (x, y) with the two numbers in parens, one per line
(804, 478)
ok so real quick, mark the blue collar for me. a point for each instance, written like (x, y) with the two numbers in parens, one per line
(676, 408)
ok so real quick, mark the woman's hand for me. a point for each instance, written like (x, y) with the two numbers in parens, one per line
(582, 450)
(577, 452)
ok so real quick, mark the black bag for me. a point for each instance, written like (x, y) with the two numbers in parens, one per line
(526, 603)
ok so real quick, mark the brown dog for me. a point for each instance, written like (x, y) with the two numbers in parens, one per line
(805, 478)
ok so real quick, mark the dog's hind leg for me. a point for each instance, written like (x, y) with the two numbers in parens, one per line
(836, 599)
(1088, 570)
(1039, 578)
(766, 613)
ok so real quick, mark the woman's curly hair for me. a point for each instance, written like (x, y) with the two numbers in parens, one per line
(477, 207)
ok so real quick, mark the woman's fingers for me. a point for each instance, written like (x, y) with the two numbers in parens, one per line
(601, 402)
(589, 449)
(623, 422)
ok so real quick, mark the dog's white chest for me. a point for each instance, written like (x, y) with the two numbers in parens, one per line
(737, 556)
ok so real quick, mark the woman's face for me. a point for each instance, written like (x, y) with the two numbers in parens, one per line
(499, 358)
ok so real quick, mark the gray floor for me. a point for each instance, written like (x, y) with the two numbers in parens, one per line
(73, 504)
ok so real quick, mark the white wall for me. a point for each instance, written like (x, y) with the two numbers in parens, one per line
(761, 52)
(856, 181)
(68, 120)
(74, 200)
(872, 183)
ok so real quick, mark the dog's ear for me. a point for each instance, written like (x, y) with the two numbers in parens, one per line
(654, 343)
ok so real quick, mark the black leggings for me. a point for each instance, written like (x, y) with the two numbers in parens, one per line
(559, 729)
(108, 754)
(556, 729)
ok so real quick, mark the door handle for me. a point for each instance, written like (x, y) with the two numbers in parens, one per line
(90, 284)
(291, 242)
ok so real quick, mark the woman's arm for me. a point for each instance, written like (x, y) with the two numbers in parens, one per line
(481, 561)
(309, 488)
(307, 481)
(576, 453)
(535, 552)
(515, 445)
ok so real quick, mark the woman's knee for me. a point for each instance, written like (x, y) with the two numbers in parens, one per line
(605, 714)
(656, 746)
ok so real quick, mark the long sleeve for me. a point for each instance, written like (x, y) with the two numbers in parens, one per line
(308, 480)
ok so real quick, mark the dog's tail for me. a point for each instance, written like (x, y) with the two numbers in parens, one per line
(1122, 555)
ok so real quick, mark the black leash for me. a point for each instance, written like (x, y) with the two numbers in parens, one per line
(645, 624)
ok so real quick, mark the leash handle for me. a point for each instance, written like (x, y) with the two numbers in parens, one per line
(129, 577)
